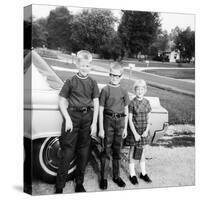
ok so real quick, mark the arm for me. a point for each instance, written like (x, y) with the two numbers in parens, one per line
(126, 122)
(132, 127)
(63, 105)
(95, 116)
(101, 118)
(145, 134)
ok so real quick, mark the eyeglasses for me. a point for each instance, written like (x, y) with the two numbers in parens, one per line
(114, 75)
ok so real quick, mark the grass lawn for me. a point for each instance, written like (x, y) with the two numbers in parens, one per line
(181, 107)
(174, 73)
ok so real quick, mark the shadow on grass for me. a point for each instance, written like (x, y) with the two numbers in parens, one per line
(183, 139)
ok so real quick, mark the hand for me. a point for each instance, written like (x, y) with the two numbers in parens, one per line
(101, 133)
(137, 137)
(145, 134)
(68, 124)
(93, 129)
(124, 134)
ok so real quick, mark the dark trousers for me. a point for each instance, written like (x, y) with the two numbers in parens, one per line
(112, 144)
(75, 143)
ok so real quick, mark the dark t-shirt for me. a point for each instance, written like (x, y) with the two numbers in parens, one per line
(114, 98)
(79, 91)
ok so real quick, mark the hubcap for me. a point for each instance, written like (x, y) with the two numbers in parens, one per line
(52, 153)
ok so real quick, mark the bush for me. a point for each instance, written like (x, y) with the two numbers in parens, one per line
(109, 52)
(161, 58)
(183, 60)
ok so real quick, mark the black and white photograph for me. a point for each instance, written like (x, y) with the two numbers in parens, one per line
(109, 99)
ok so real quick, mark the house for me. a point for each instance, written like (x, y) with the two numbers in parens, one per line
(174, 55)
(170, 56)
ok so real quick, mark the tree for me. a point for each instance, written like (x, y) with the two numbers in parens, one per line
(42, 22)
(92, 29)
(59, 28)
(174, 33)
(185, 43)
(112, 49)
(39, 35)
(161, 44)
(163, 41)
(138, 30)
(172, 37)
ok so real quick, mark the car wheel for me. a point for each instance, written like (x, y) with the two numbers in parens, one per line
(46, 159)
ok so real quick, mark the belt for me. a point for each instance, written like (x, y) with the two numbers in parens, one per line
(115, 115)
(80, 109)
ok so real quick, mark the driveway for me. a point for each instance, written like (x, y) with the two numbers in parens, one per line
(167, 167)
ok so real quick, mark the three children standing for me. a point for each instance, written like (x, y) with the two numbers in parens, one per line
(79, 104)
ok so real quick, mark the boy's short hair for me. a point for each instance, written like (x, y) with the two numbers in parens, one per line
(140, 83)
(84, 55)
(116, 66)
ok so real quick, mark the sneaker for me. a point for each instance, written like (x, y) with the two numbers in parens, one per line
(79, 188)
(133, 180)
(119, 182)
(103, 184)
(145, 178)
(59, 191)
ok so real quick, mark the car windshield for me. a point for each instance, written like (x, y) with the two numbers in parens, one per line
(38, 75)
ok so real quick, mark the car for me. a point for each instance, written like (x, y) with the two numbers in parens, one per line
(43, 119)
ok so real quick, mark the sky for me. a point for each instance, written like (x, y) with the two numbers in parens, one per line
(168, 20)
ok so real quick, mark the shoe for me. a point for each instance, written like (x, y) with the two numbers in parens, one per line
(145, 178)
(119, 182)
(59, 191)
(133, 180)
(103, 184)
(80, 188)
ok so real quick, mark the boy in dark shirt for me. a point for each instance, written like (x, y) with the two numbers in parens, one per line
(113, 118)
(79, 106)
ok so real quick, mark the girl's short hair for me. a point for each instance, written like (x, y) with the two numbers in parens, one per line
(139, 83)
(116, 66)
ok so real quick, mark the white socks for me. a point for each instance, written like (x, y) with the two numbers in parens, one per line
(143, 168)
(132, 169)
